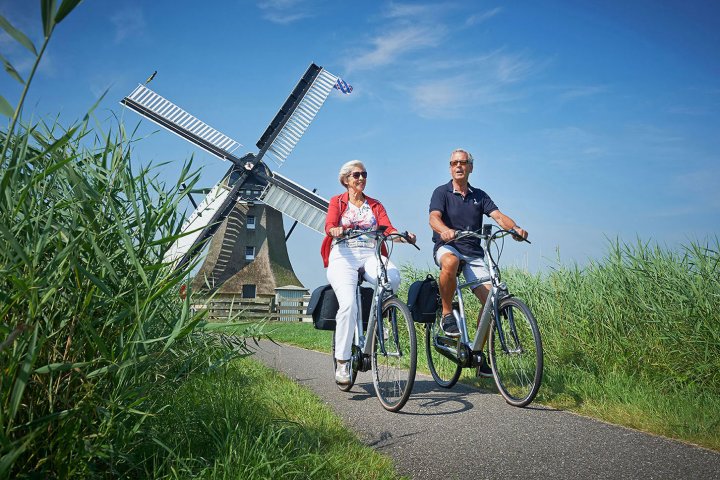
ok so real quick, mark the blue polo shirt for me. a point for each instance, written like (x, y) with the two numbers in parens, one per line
(461, 213)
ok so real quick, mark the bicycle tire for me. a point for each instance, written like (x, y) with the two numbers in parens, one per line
(353, 369)
(518, 372)
(444, 370)
(394, 373)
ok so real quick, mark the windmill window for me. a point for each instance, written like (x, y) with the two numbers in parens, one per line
(249, 253)
(250, 224)
(248, 291)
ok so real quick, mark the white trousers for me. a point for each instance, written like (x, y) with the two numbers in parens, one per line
(342, 273)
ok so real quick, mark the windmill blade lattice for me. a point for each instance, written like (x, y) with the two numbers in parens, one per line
(296, 202)
(296, 114)
(168, 115)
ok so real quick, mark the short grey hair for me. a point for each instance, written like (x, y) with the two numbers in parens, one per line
(347, 168)
(460, 150)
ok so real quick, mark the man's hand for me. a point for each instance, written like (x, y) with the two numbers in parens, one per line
(521, 234)
(336, 232)
(448, 235)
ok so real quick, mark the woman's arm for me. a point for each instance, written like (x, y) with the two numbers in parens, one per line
(382, 218)
(333, 216)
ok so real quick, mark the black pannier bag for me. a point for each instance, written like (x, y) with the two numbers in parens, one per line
(424, 300)
(323, 306)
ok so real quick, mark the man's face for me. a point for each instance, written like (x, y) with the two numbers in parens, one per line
(460, 167)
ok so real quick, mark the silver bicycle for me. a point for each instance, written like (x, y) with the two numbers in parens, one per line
(388, 346)
(515, 348)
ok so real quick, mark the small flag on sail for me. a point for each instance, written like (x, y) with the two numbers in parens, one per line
(343, 86)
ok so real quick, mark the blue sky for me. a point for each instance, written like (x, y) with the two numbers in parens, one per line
(588, 120)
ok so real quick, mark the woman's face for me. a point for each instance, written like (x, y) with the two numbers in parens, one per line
(357, 179)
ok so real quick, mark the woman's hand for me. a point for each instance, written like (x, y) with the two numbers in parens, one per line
(336, 232)
(411, 238)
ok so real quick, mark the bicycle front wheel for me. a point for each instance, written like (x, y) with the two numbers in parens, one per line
(441, 351)
(393, 367)
(518, 364)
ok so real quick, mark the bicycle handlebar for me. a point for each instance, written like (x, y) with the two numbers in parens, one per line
(351, 233)
(498, 234)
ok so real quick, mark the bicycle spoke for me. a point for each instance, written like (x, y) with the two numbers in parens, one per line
(517, 359)
(394, 367)
(444, 370)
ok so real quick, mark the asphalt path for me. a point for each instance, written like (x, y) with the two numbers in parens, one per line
(467, 433)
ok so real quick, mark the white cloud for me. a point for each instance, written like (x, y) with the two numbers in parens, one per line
(512, 68)
(482, 17)
(129, 22)
(409, 10)
(458, 96)
(283, 12)
(389, 47)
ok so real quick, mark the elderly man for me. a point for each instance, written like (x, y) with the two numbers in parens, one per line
(457, 205)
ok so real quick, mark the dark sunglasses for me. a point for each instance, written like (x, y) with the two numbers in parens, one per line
(455, 163)
(357, 175)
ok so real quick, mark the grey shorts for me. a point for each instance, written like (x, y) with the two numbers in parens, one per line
(474, 269)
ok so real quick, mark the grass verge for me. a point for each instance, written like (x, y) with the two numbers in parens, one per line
(250, 422)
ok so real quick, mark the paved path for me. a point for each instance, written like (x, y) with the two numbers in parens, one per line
(466, 433)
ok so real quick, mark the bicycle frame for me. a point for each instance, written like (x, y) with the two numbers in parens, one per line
(498, 290)
(382, 292)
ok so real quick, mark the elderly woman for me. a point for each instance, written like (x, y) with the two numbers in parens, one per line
(352, 209)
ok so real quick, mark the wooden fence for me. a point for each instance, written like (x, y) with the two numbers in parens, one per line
(284, 310)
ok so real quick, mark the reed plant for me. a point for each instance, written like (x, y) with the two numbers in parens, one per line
(91, 323)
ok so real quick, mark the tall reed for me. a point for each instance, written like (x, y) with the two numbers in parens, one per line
(90, 318)
(648, 311)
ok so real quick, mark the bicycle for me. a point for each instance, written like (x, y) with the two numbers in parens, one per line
(388, 347)
(515, 346)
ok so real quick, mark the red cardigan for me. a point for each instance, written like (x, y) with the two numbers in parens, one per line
(337, 206)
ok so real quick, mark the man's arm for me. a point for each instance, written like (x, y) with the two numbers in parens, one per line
(438, 226)
(508, 223)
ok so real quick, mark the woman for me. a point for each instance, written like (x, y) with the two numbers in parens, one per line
(352, 209)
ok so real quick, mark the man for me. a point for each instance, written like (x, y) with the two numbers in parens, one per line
(459, 206)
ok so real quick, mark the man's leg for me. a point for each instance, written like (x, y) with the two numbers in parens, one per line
(448, 280)
(449, 263)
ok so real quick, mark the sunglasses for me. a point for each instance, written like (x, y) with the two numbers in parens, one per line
(455, 163)
(357, 175)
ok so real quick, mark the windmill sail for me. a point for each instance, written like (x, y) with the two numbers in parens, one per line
(168, 115)
(296, 114)
(296, 202)
(204, 221)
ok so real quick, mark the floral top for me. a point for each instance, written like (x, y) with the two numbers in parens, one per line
(359, 218)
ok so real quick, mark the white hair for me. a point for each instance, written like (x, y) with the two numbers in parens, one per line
(460, 150)
(347, 168)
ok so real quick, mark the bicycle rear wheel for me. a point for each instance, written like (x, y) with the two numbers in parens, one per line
(394, 369)
(518, 368)
(353, 368)
(444, 370)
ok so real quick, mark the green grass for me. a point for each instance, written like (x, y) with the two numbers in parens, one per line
(103, 369)
(632, 339)
(249, 422)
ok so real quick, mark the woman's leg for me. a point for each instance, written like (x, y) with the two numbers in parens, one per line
(392, 272)
(342, 275)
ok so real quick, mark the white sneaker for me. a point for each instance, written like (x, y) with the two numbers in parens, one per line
(342, 373)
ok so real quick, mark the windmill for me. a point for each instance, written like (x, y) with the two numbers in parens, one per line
(241, 213)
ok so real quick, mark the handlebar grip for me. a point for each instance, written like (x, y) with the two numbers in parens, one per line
(515, 234)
